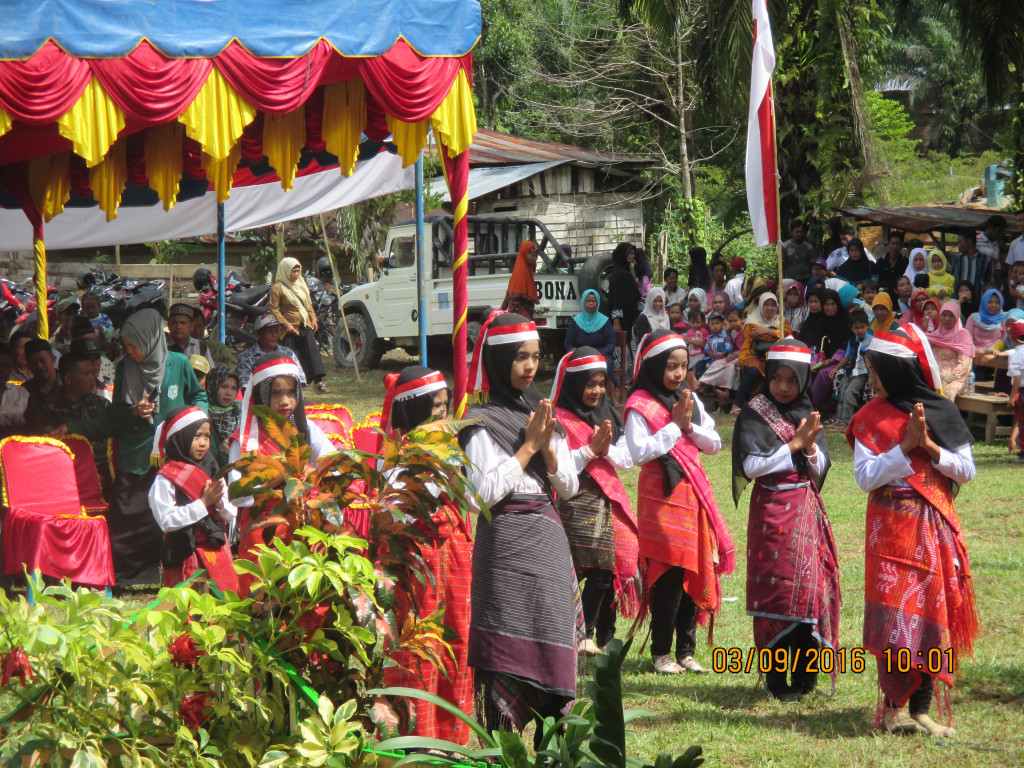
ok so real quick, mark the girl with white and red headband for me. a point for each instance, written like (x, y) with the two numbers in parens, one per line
(911, 453)
(683, 537)
(523, 640)
(190, 507)
(414, 396)
(792, 566)
(599, 520)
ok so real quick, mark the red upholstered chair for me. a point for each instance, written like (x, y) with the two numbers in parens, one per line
(335, 420)
(366, 434)
(45, 527)
(89, 491)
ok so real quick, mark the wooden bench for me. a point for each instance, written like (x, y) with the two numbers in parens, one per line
(991, 408)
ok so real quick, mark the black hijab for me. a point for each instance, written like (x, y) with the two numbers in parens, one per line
(409, 412)
(179, 445)
(570, 395)
(651, 379)
(824, 333)
(261, 392)
(699, 275)
(969, 307)
(905, 386)
(752, 435)
(623, 293)
(855, 271)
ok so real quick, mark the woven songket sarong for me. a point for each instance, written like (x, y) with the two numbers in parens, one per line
(918, 591)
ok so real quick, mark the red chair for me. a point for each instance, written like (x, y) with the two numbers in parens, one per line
(90, 492)
(45, 526)
(366, 434)
(335, 420)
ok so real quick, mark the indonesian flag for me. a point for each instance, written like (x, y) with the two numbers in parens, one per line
(762, 185)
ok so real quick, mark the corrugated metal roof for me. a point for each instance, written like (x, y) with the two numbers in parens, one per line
(930, 218)
(496, 148)
(483, 181)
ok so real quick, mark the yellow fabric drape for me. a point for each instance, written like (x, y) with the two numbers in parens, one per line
(49, 182)
(455, 119)
(5, 122)
(409, 138)
(283, 137)
(92, 124)
(108, 178)
(343, 121)
(39, 278)
(220, 172)
(217, 116)
(163, 161)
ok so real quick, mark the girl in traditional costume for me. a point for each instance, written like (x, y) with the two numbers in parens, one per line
(912, 451)
(792, 567)
(683, 537)
(225, 410)
(414, 396)
(523, 635)
(190, 507)
(599, 520)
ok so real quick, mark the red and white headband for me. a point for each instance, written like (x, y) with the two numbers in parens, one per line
(790, 354)
(249, 426)
(491, 336)
(565, 365)
(432, 382)
(664, 344)
(892, 344)
(929, 365)
(170, 427)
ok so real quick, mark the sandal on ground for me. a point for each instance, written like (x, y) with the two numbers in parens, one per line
(734, 411)
(898, 721)
(321, 388)
(933, 728)
(690, 664)
(664, 665)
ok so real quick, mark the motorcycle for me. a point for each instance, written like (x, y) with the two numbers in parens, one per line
(243, 303)
(120, 297)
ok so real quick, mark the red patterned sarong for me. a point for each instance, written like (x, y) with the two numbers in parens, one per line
(918, 592)
(450, 560)
(686, 529)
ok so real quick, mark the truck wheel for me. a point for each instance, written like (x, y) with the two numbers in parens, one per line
(368, 348)
(594, 275)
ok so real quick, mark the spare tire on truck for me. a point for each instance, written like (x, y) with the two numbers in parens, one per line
(368, 349)
(594, 275)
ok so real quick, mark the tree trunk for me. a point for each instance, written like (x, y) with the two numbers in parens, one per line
(684, 151)
(861, 123)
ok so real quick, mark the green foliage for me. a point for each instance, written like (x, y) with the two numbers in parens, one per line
(173, 251)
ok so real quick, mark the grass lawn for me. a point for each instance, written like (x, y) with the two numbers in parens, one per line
(732, 718)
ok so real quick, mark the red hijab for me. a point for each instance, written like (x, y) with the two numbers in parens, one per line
(521, 281)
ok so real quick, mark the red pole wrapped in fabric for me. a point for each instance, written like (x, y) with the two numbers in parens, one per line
(456, 173)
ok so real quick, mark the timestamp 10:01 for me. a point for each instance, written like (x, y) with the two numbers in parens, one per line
(903, 660)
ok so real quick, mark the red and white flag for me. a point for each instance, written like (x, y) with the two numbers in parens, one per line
(762, 183)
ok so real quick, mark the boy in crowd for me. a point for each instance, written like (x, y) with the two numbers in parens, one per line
(851, 390)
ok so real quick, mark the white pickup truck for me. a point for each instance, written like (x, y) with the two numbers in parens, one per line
(384, 314)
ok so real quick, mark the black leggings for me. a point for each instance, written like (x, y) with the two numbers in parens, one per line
(672, 612)
(598, 599)
(802, 681)
(751, 378)
(308, 351)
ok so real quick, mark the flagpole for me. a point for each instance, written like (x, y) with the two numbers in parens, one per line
(778, 213)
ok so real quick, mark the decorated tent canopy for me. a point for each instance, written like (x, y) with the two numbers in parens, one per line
(94, 96)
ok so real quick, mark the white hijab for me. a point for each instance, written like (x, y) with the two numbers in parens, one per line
(297, 288)
(659, 321)
(911, 272)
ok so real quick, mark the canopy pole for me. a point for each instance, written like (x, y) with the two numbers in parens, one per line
(421, 262)
(456, 172)
(221, 267)
(39, 276)
(337, 295)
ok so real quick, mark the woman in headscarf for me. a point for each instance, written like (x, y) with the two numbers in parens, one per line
(792, 564)
(274, 385)
(521, 296)
(720, 303)
(191, 508)
(753, 288)
(827, 333)
(987, 326)
(966, 299)
(149, 383)
(762, 328)
(881, 309)
(683, 537)
(918, 265)
(599, 520)
(953, 348)
(857, 268)
(940, 282)
(796, 309)
(414, 396)
(697, 298)
(699, 275)
(590, 328)
(917, 304)
(623, 295)
(224, 408)
(522, 640)
(912, 452)
(292, 305)
(654, 317)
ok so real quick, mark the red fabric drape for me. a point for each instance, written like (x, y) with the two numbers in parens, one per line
(273, 85)
(43, 87)
(406, 85)
(149, 86)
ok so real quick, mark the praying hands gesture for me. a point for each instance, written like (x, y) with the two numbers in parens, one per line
(917, 435)
(539, 429)
(212, 492)
(682, 412)
(601, 440)
(807, 432)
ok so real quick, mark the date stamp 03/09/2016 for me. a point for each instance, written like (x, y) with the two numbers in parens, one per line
(828, 660)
